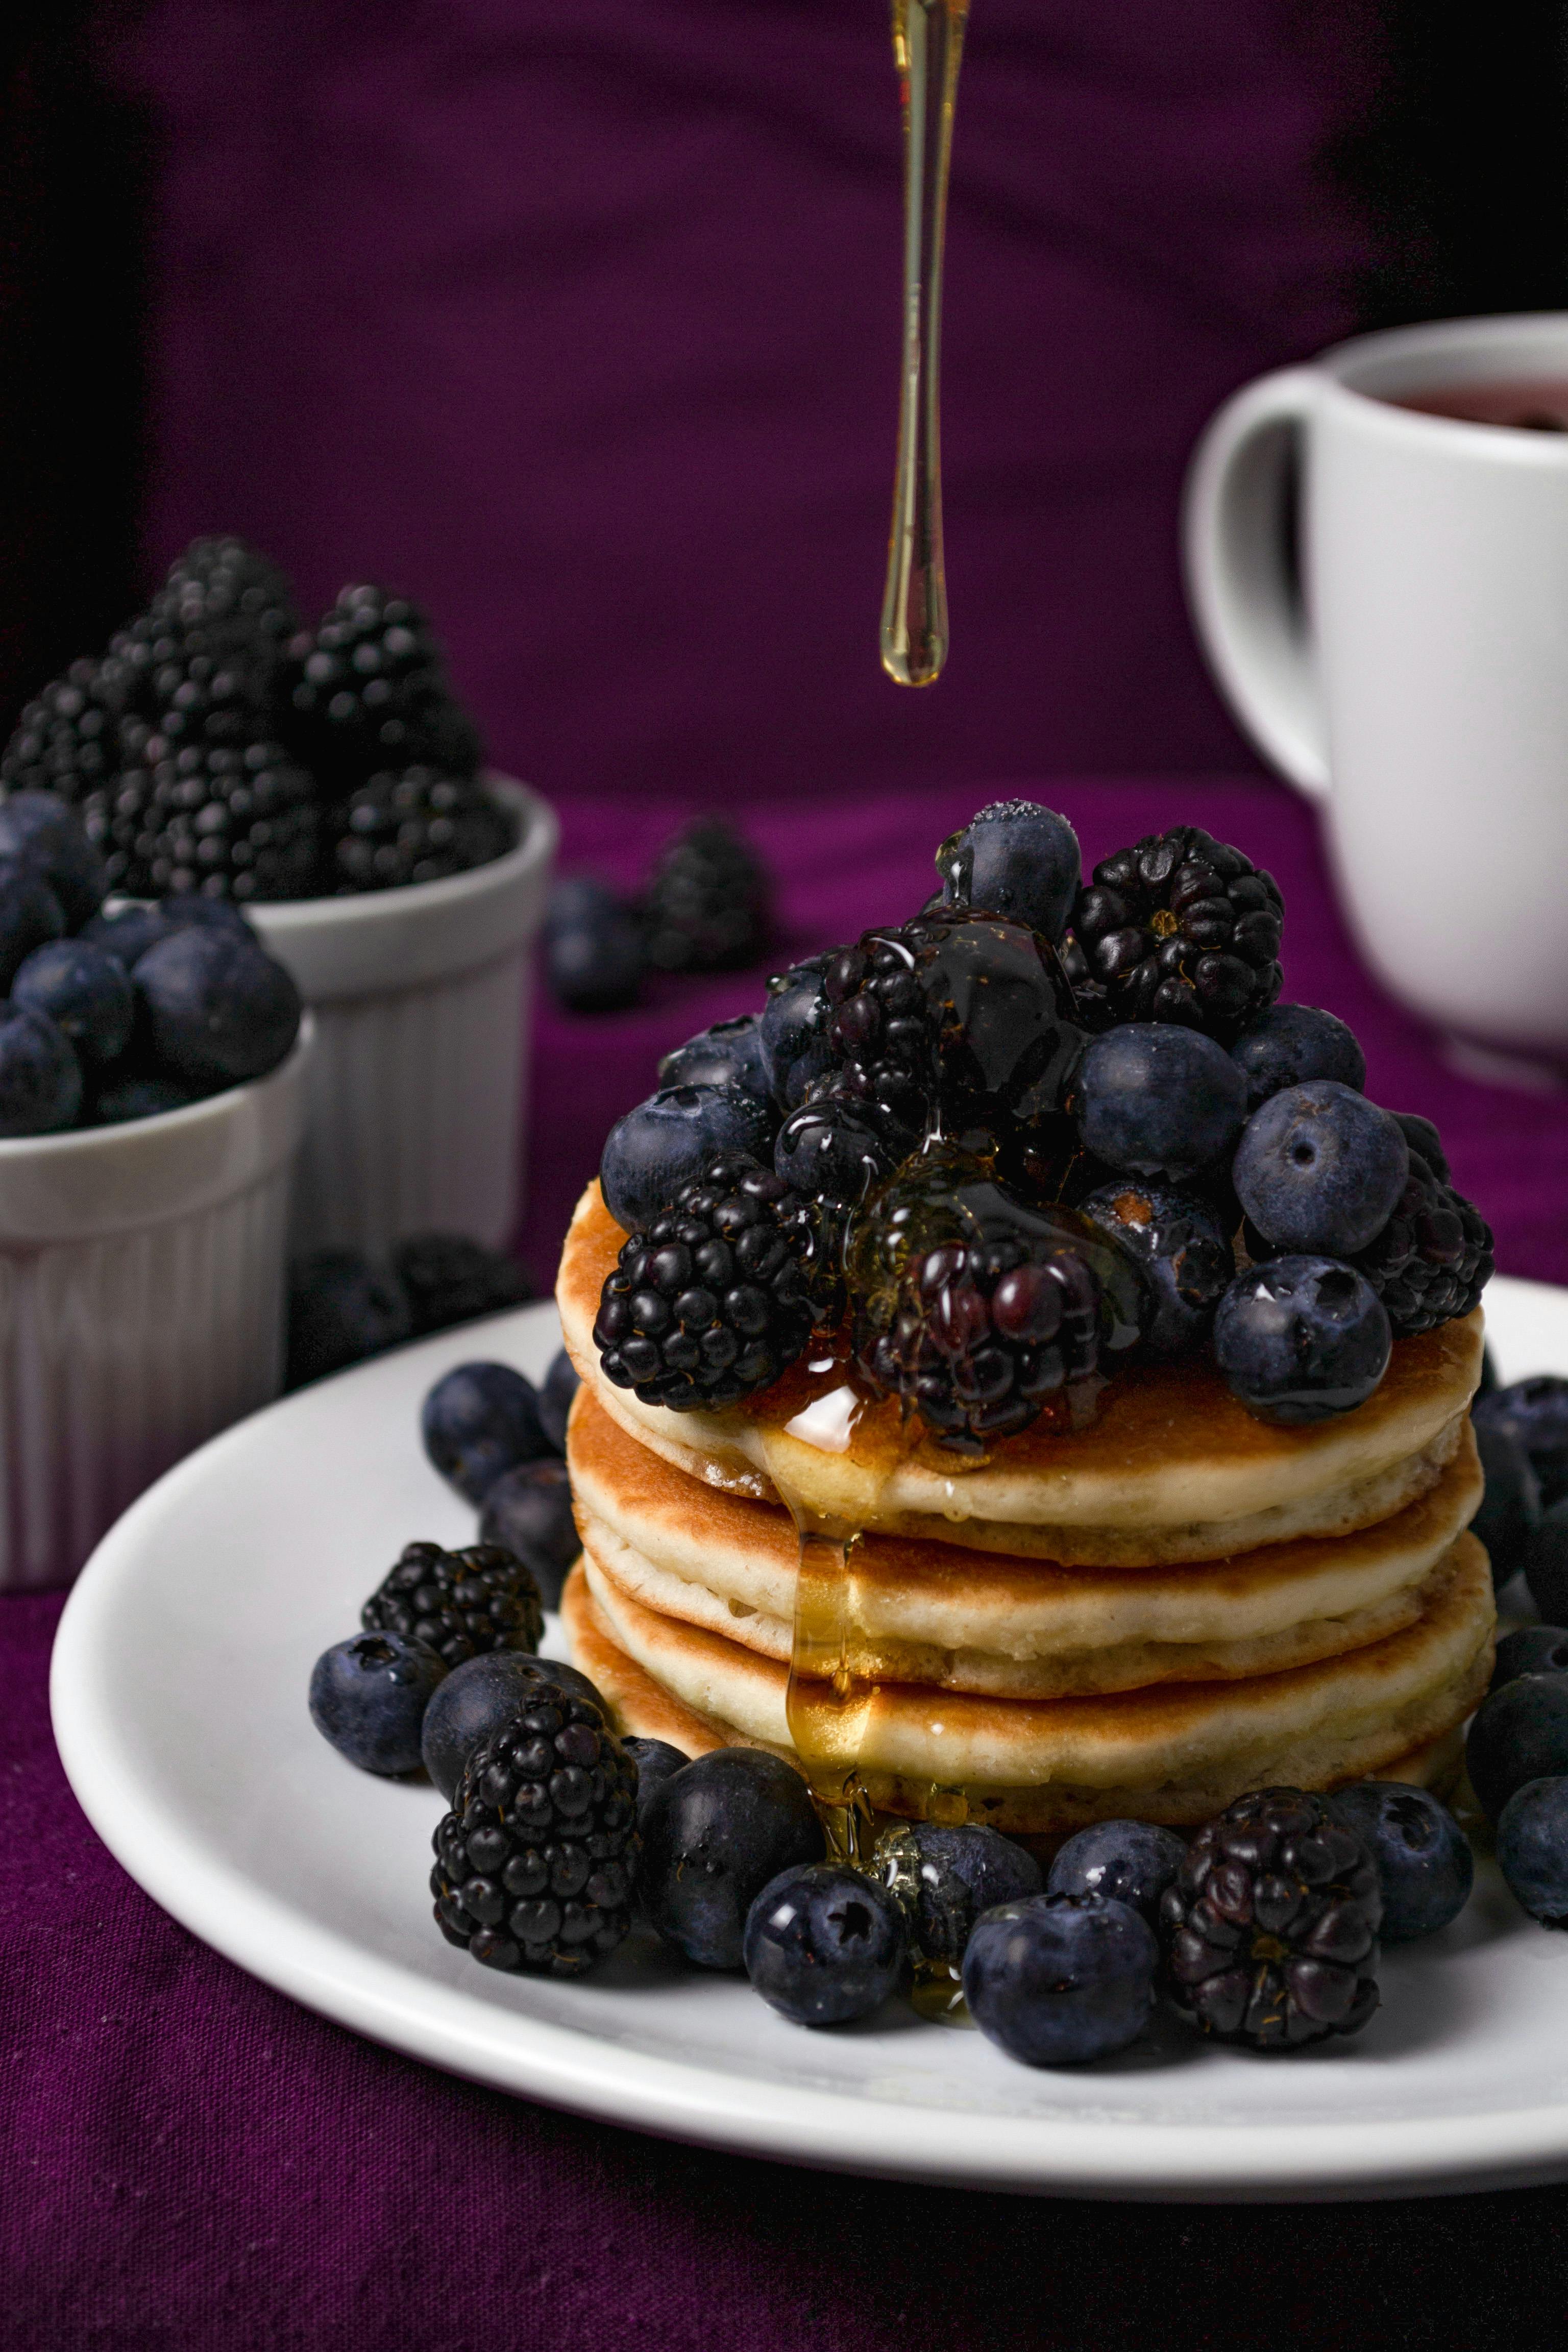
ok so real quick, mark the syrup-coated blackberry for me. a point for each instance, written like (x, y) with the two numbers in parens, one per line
(535, 1861)
(1269, 1928)
(1178, 927)
(367, 692)
(719, 1295)
(414, 824)
(1433, 1258)
(458, 1604)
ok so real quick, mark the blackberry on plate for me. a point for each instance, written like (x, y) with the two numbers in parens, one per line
(1299, 1338)
(824, 1944)
(341, 1308)
(367, 692)
(478, 1421)
(1060, 1979)
(414, 823)
(458, 1604)
(980, 1313)
(713, 1837)
(1017, 858)
(369, 1696)
(593, 956)
(481, 1697)
(1516, 1734)
(529, 1510)
(664, 1144)
(448, 1279)
(231, 821)
(1532, 1848)
(1269, 1928)
(1134, 1861)
(719, 1295)
(1421, 1856)
(1180, 1249)
(1433, 1258)
(535, 1861)
(944, 1876)
(1179, 928)
(708, 906)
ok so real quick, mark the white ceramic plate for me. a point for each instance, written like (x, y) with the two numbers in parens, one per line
(179, 1705)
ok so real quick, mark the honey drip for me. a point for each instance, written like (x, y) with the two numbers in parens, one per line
(928, 42)
(828, 1699)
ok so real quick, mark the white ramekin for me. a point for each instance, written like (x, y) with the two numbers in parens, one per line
(421, 998)
(141, 1297)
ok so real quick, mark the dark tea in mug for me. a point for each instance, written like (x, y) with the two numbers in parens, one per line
(1527, 404)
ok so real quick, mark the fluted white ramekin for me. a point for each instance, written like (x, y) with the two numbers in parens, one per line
(141, 1294)
(421, 998)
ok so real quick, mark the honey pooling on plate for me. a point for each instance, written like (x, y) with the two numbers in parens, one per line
(928, 41)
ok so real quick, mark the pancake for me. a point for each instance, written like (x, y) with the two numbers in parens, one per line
(1394, 1709)
(929, 1613)
(1173, 1469)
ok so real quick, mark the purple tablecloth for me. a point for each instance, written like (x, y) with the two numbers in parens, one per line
(190, 2159)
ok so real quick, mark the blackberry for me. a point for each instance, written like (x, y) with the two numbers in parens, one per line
(708, 906)
(67, 741)
(228, 822)
(982, 1314)
(1179, 928)
(230, 593)
(367, 692)
(720, 1295)
(458, 1604)
(414, 824)
(1433, 1258)
(535, 1861)
(449, 1279)
(1269, 1929)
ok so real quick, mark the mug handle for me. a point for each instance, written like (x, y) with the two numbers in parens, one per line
(1242, 580)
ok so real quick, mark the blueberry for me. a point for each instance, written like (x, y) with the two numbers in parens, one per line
(1518, 1734)
(450, 1278)
(482, 1694)
(30, 917)
(1293, 1042)
(1530, 1650)
(40, 1077)
(1425, 1866)
(528, 1509)
(1532, 1848)
(667, 1141)
(1180, 1250)
(557, 1390)
(1134, 1861)
(1060, 1979)
(593, 951)
(657, 1762)
(126, 1094)
(218, 1009)
(1155, 1098)
(713, 1836)
(794, 1032)
(128, 932)
(341, 1310)
(368, 1697)
(42, 830)
(945, 1876)
(1320, 1169)
(824, 1944)
(84, 992)
(1536, 1413)
(1015, 858)
(478, 1421)
(1424, 1139)
(833, 1150)
(728, 1055)
(1299, 1339)
(1546, 1562)
(1510, 1503)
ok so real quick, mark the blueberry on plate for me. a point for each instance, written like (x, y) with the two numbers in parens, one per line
(794, 1032)
(30, 917)
(556, 1390)
(528, 1509)
(1134, 1861)
(729, 1054)
(1299, 1339)
(1546, 1561)
(126, 1094)
(478, 1421)
(369, 1696)
(1532, 1848)
(85, 991)
(1535, 1411)
(1152, 1096)
(1056, 1980)
(40, 1077)
(1014, 858)
(594, 952)
(342, 1309)
(668, 1141)
(1519, 1733)
(713, 1837)
(824, 1944)
(480, 1698)
(1530, 1650)
(945, 1874)
(217, 1009)
(657, 1762)
(1510, 1511)
(1319, 1169)
(1423, 1857)
(44, 831)
(1292, 1043)
(1180, 1250)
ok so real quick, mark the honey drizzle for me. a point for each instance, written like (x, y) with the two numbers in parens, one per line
(828, 1699)
(928, 43)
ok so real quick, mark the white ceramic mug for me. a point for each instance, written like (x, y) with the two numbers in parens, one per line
(1383, 595)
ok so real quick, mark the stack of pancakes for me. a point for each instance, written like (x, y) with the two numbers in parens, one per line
(1144, 1617)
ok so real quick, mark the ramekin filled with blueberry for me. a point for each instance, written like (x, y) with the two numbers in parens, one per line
(328, 782)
